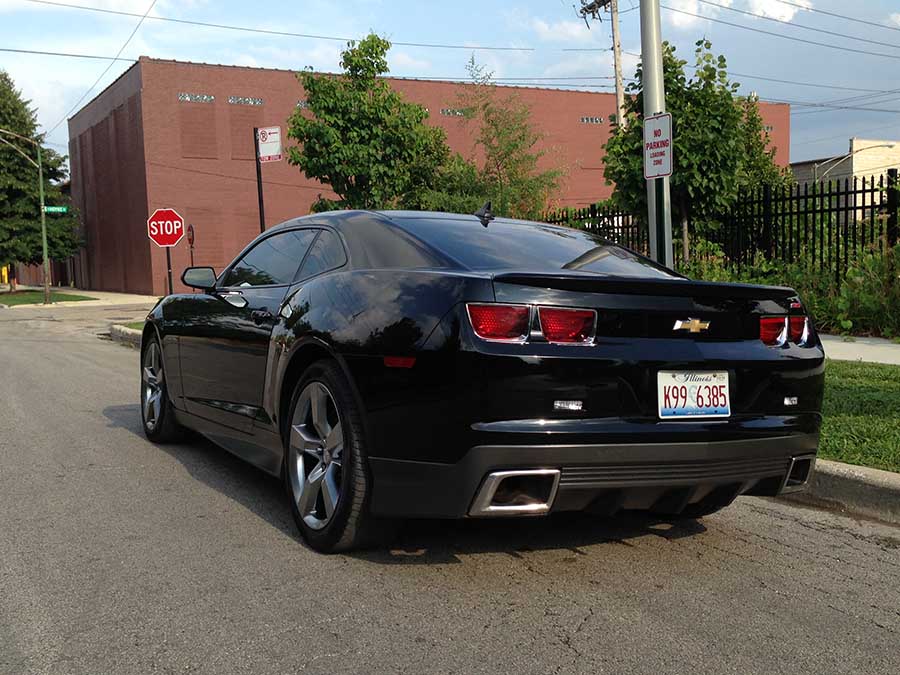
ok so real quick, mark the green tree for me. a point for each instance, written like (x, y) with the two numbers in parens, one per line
(362, 138)
(511, 169)
(718, 143)
(20, 217)
(758, 166)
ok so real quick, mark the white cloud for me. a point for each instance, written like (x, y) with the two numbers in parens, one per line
(691, 12)
(894, 18)
(402, 63)
(778, 10)
(561, 31)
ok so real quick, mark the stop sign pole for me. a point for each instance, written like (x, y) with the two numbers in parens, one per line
(165, 228)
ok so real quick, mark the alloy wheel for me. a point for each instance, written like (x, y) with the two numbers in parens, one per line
(316, 457)
(153, 381)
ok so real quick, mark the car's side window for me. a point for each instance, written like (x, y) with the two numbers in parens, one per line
(272, 261)
(326, 254)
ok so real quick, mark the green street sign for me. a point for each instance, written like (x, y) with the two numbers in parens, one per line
(56, 209)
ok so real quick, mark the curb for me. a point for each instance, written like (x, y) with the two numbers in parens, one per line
(4, 306)
(854, 489)
(128, 336)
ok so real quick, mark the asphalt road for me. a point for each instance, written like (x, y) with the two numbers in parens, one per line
(118, 556)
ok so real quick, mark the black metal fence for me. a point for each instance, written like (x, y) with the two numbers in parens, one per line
(823, 225)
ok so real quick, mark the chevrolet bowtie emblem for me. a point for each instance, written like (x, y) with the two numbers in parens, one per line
(693, 325)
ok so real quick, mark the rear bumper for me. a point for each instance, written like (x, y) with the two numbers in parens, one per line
(599, 477)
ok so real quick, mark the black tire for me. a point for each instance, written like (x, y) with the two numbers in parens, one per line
(349, 525)
(158, 421)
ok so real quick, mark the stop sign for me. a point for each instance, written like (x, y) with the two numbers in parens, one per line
(165, 227)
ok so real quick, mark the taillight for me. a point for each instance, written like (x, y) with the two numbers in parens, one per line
(567, 325)
(798, 329)
(773, 330)
(506, 323)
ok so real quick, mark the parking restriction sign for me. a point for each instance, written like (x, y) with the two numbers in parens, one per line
(658, 146)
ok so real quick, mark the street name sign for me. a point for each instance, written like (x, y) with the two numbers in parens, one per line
(165, 227)
(269, 144)
(56, 209)
(658, 146)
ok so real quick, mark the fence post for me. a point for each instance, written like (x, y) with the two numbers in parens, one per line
(892, 205)
(767, 222)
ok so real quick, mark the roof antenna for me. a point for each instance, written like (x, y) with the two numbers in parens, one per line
(484, 214)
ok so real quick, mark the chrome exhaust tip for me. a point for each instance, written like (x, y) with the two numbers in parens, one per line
(525, 492)
(799, 473)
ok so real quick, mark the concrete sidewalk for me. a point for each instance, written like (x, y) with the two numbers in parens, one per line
(872, 350)
(103, 298)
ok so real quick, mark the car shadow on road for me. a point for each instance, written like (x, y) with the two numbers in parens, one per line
(215, 467)
(428, 542)
(414, 542)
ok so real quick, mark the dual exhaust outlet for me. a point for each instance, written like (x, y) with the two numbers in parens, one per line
(530, 492)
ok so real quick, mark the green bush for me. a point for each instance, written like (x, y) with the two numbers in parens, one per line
(865, 303)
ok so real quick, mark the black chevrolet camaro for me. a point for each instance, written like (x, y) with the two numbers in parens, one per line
(412, 364)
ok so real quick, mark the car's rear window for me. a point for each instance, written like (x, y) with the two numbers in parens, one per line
(521, 246)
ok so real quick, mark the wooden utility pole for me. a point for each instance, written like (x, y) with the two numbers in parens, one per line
(617, 60)
(592, 8)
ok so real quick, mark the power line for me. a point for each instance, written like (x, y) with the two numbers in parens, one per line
(66, 54)
(781, 35)
(895, 125)
(798, 25)
(265, 31)
(839, 16)
(105, 70)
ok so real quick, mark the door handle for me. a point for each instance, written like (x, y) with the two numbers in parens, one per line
(260, 316)
(234, 298)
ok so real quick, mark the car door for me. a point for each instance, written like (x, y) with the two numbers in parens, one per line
(223, 350)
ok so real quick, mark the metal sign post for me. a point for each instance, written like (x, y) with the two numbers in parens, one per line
(659, 206)
(266, 148)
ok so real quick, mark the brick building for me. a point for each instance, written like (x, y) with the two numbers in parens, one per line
(174, 134)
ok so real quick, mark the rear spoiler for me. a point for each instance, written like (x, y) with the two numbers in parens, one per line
(684, 287)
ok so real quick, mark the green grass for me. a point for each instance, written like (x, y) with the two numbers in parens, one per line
(37, 297)
(862, 414)
(135, 325)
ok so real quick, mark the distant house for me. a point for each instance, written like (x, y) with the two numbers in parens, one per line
(866, 158)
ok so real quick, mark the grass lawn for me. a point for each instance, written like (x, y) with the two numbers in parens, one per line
(136, 325)
(37, 297)
(862, 414)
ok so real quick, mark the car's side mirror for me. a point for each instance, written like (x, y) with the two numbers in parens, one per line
(203, 278)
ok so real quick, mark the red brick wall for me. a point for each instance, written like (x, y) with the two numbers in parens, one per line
(198, 158)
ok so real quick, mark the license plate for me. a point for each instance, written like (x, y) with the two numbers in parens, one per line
(691, 393)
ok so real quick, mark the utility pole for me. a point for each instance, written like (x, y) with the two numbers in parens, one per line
(659, 205)
(592, 8)
(617, 62)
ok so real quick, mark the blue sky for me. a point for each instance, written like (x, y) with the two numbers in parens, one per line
(544, 27)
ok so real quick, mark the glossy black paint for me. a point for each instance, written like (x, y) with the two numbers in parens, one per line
(231, 369)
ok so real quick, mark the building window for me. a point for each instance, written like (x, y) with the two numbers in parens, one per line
(592, 120)
(302, 104)
(187, 97)
(453, 112)
(244, 100)
(769, 127)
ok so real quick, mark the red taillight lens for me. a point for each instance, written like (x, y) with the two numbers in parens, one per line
(567, 325)
(797, 328)
(771, 329)
(508, 323)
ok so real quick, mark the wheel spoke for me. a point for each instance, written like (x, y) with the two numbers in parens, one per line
(148, 407)
(149, 376)
(156, 400)
(319, 403)
(301, 438)
(311, 489)
(334, 442)
(330, 490)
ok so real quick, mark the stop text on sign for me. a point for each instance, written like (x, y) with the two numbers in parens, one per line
(165, 227)
(658, 146)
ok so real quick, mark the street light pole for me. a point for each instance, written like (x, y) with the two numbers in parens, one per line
(40, 169)
(659, 205)
(843, 158)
